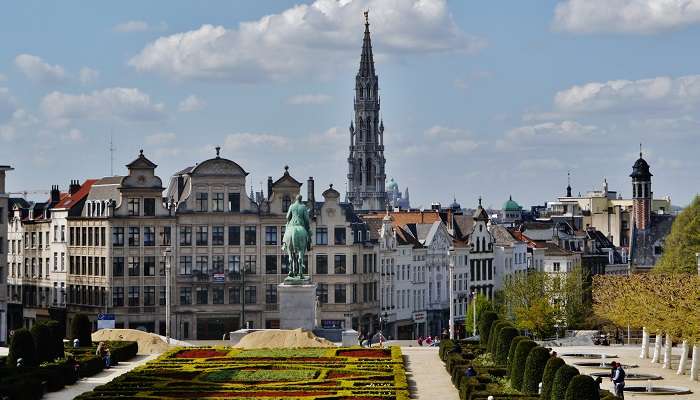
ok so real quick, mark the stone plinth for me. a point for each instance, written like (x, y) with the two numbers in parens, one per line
(297, 306)
(350, 338)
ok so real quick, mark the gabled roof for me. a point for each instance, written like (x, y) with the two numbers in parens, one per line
(141, 162)
(553, 249)
(502, 235)
(69, 201)
(286, 179)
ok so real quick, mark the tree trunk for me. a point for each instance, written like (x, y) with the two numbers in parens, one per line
(695, 362)
(684, 358)
(667, 352)
(657, 348)
(645, 344)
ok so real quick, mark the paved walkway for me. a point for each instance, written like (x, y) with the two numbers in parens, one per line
(87, 384)
(427, 376)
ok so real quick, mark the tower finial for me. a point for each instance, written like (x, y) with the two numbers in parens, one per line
(640, 149)
(366, 17)
(218, 150)
(479, 201)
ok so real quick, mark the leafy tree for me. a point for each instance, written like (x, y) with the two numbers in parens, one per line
(22, 346)
(482, 306)
(683, 242)
(485, 321)
(41, 335)
(534, 368)
(81, 329)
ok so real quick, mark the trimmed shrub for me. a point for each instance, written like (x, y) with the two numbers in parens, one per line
(582, 387)
(561, 381)
(445, 346)
(485, 321)
(518, 370)
(505, 337)
(41, 334)
(511, 351)
(123, 351)
(56, 339)
(90, 365)
(22, 346)
(550, 369)
(493, 336)
(81, 329)
(534, 368)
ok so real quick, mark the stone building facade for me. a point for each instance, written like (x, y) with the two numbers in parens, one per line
(4, 250)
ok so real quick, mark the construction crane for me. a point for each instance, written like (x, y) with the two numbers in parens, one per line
(28, 192)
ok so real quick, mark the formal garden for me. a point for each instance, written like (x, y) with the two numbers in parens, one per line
(39, 361)
(510, 366)
(302, 373)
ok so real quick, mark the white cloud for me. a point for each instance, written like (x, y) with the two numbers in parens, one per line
(37, 70)
(191, 103)
(160, 138)
(304, 99)
(625, 16)
(73, 135)
(305, 39)
(139, 26)
(548, 133)
(20, 119)
(625, 95)
(237, 141)
(8, 104)
(124, 103)
(88, 75)
(455, 140)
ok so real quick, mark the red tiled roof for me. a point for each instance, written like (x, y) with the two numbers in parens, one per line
(70, 200)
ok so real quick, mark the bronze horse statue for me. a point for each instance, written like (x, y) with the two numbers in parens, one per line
(297, 238)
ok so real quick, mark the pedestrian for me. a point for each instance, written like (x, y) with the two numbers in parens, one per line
(554, 354)
(76, 343)
(103, 352)
(619, 381)
(420, 340)
(445, 334)
(470, 372)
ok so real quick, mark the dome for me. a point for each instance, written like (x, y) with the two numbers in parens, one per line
(392, 186)
(511, 205)
(455, 206)
(640, 169)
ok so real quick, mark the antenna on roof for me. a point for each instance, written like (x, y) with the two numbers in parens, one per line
(111, 152)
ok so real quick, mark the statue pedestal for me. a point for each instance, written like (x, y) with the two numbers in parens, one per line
(297, 306)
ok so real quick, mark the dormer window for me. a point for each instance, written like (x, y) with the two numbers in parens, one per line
(217, 202)
(286, 202)
(202, 200)
(149, 207)
(134, 207)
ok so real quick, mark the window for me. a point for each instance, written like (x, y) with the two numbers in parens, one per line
(202, 295)
(321, 235)
(321, 264)
(234, 267)
(270, 235)
(185, 296)
(165, 235)
(202, 200)
(322, 293)
(202, 235)
(234, 202)
(286, 202)
(149, 296)
(202, 266)
(217, 202)
(134, 236)
(217, 265)
(117, 266)
(339, 236)
(556, 267)
(234, 295)
(271, 264)
(339, 264)
(234, 235)
(149, 236)
(250, 262)
(149, 207)
(63, 233)
(185, 236)
(149, 266)
(134, 266)
(271, 294)
(134, 294)
(118, 296)
(217, 294)
(340, 297)
(117, 236)
(250, 235)
(134, 207)
(103, 232)
(251, 295)
(217, 236)
(185, 265)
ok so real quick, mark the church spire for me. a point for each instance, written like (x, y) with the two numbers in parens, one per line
(367, 59)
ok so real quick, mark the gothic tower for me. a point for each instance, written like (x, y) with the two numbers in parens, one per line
(641, 193)
(366, 159)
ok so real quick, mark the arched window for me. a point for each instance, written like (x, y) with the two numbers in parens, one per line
(362, 92)
(478, 248)
(286, 202)
(483, 243)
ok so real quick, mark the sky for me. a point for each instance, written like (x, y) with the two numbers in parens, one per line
(479, 98)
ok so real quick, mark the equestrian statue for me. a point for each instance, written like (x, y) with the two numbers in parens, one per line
(297, 241)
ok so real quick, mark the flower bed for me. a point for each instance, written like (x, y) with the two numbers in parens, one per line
(309, 374)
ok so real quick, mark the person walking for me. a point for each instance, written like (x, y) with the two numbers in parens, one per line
(619, 381)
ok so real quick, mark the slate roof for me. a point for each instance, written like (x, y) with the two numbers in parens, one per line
(553, 249)
(502, 235)
(105, 188)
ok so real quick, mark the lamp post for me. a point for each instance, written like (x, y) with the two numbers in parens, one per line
(166, 254)
(451, 267)
(474, 313)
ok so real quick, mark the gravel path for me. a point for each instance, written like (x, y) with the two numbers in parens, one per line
(427, 376)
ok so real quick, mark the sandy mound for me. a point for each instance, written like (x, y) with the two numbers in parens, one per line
(149, 343)
(270, 339)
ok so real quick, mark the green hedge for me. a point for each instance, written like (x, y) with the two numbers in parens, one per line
(550, 370)
(582, 387)
(534, 368)
(81, 329)
(511, 351)
(41, 334)
(22, 346)
(445, 346)
(505, 337)
(493, 336)
(561, 381)
(518, 370)
(56, 339)
(485, 321)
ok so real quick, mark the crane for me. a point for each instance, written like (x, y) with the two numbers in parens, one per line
(28, 192)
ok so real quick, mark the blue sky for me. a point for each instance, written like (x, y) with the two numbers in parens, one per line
(478, 98)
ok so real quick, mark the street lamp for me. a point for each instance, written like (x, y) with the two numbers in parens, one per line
(166, 254)
(451, 267)
(474, 313)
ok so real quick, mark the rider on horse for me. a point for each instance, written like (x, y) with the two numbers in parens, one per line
(297, 237)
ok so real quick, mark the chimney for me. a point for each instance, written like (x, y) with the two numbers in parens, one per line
(310, 197)
(74, 187)
(269, 187)
(55, 194)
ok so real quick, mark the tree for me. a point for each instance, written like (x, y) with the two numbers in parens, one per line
(550, 371)
(505, 337)
(482, 306)
(494, 335)
(57, 350)
(41, 335)
(582, 387)
(683, 242)
(518, 366)
(511, 351)
(22, 346)
(561, 381)
(534, 368)
(485, 321)
(81, 329)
